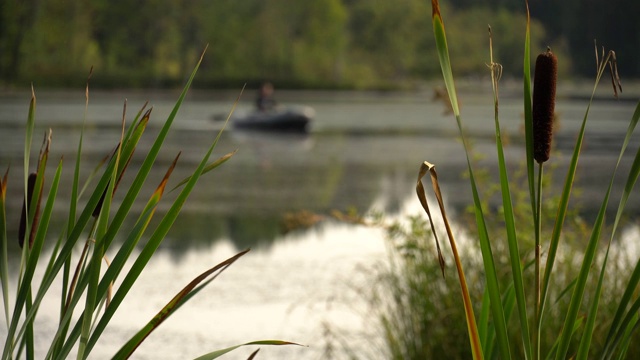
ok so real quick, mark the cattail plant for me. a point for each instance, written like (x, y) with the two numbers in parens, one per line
(22, 231)
(85, 292)
(544, 99)
(574, 338)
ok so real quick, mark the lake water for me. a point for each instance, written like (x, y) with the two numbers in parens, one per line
(363, 152)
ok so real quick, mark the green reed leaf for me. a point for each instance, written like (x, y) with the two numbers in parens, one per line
(554, 348)
(216, 354)
(626, 338)
(635, 276)
(221, 160)
(147, 164)
(628, 323)
(4, 259)
(128, 201)
(561, 212)
(127, 248)
(483, 322)
(116, 267)
(528, 112)
(585, 342)
(92, 298)
(28, 138)
(128, 348)
(577, 296)
(508, 214)
(160, 232)
(64, 254)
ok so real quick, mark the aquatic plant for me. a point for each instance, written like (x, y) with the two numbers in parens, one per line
(490, 337)
(94, 223)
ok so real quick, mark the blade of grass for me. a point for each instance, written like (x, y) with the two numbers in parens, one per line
(632, 177)
(129, 244)
(635, 277)
(554, 348)
(253, 354)
(73, 203)
(626, 338)
(34, 209)
(628, 322)
(585, 269)
(221, 160)
(28, 138)
(483, 322)
(497, 310)
(153, 243)
(145, 168)
(4, 259)
(131, 345)
(125, 251)
(579, 289)
(509, 304)
(528, 112)
(126, 205)
(509, 218)
(216, 354)
(92, 297)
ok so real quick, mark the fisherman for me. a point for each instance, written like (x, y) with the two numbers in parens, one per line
(265, 101)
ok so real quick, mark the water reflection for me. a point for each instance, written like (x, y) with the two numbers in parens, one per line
(361, 149)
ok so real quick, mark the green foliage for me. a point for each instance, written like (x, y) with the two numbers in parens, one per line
(86, 284)
(316, 43)
(568, 302)
(498, 299)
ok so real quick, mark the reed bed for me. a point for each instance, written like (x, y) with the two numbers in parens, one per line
(94, 224)
(531, 279)
(520, 301)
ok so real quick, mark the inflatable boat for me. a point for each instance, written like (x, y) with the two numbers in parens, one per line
(291, 119)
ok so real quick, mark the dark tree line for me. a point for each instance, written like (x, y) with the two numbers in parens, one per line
(576, 24)
(311, 43)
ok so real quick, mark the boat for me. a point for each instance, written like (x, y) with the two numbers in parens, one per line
(288, 119)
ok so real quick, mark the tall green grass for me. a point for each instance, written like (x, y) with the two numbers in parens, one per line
(531, 304)
(88, 298)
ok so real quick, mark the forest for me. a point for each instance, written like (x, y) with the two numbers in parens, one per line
(354, 44)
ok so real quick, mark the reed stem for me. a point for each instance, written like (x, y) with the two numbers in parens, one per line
(538, 228)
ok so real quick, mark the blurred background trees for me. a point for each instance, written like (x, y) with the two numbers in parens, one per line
(300, 44)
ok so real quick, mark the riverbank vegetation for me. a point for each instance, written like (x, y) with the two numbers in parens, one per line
(527, 281)
(309, 44)
(100, 247)
(524, 274)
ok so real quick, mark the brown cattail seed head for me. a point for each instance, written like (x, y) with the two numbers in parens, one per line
(544, 99)
(22, 230)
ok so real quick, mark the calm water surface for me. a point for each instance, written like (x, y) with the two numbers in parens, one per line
(363, 152)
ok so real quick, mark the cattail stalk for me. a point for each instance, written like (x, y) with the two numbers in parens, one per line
(22, 230)
(544, 99)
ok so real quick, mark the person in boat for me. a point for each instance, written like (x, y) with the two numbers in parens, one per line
(265, 100)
